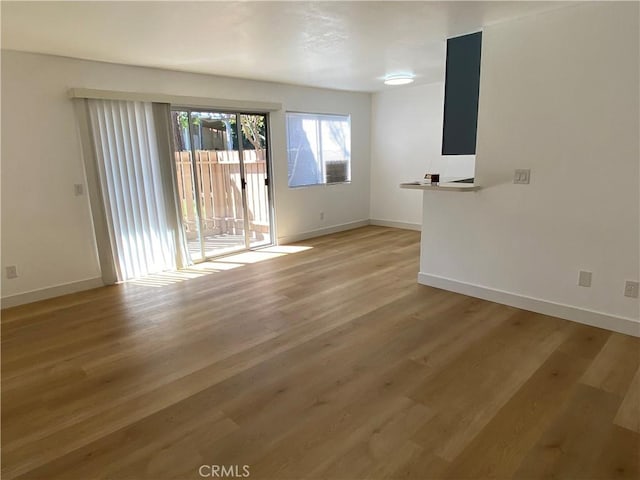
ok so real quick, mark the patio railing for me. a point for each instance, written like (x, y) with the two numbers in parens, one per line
(218, 177)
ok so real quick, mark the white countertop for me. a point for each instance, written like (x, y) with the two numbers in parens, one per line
(446, 186)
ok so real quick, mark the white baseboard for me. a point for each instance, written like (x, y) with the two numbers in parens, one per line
(323, 231)
(392, 224)
(624, 325)
(44, 293)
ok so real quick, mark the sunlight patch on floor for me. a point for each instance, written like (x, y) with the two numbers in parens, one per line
(218, 265)
(250, 257)
(168, 278)
(214, 266)
(286, 249)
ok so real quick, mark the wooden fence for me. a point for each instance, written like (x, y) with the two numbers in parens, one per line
(218, 177)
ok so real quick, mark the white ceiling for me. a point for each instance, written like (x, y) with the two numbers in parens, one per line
(342, 45)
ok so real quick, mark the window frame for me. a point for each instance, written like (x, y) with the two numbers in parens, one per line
(322, 163)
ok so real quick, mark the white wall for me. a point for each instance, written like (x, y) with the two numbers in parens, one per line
(406, 141)
(47, 231)
(559, 95)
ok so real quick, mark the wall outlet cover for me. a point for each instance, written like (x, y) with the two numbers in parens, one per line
(584, 279)
(12, 271)
(631, 289)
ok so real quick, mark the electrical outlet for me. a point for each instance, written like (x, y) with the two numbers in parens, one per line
(321, 215)
(522, 176)
(78, 189)
(584, 279)
(631, 289)
(12, 271)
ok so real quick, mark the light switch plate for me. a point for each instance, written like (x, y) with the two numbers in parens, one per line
(522, 176)
(78, 189)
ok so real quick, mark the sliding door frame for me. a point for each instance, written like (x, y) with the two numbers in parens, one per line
(269, 177)
(243, 180)
(196, 189)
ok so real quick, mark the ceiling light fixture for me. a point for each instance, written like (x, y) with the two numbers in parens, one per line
(398, 79)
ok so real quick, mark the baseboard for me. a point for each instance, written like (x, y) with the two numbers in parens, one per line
(45, 293)
(322, 231)
(624, 325)
(392, 224)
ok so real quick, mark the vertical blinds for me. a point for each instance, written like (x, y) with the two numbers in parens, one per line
(133, 181)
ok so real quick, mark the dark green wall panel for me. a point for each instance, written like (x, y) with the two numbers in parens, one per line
(462, 87)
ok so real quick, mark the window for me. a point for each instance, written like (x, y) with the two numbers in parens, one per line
(319, 149)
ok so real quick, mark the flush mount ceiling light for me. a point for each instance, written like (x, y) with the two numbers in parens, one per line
(398, 79)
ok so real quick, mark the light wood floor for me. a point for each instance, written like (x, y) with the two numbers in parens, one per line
(328, 363)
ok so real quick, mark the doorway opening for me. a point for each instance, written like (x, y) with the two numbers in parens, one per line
(223, 168)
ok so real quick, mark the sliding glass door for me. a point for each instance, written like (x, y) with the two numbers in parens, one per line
(222, 168)
(255, 158)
